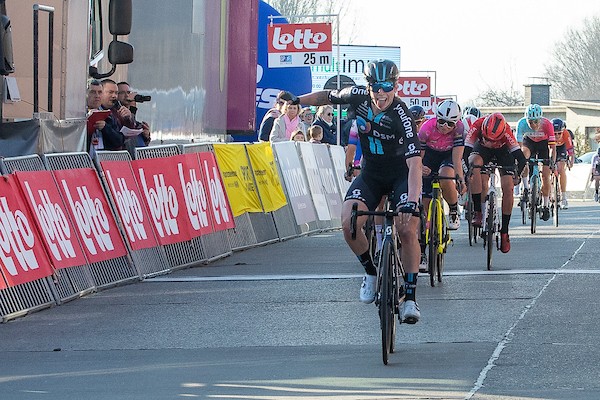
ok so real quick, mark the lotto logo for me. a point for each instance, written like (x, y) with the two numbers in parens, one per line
(413, 86)
(300, 37)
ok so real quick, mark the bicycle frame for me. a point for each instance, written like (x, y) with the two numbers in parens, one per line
(535, 182)
(440, 222)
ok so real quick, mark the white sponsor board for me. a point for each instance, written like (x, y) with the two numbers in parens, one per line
(352, 62)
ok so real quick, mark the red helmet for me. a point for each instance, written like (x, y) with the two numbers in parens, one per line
(493, 126)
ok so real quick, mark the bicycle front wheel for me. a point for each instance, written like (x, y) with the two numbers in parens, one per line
(469, 218)
(533, 205)
(386, 300)
(490, 229)
(434, 241)
(523, 204)
(556, 204)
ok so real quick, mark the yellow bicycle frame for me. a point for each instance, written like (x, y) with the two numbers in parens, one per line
(438, 199)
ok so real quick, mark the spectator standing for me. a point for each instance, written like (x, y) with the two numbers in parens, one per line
(315, 134)
(298, 136)
(94, 135)
(127, 98)
(307, 118)
(266, 125)
(120, 116)
(287, 123)
(325, 120)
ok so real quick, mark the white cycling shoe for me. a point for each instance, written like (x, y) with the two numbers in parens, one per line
(368, 289)
(410, 313)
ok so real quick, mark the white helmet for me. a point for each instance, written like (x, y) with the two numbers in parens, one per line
(448, 110)
(468, 121)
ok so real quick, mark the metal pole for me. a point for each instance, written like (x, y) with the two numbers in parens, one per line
(50, 57)
(339, 107)
(36, 51)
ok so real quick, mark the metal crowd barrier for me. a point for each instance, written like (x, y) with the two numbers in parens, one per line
(150, 261)
(105, 273)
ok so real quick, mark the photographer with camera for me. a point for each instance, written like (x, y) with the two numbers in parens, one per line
(129, 99)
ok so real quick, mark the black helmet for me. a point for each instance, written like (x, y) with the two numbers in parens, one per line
(381, 70)
(558, 124)
(473, 111)
(418, 112)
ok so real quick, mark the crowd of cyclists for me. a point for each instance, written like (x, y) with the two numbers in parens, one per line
(400, 150)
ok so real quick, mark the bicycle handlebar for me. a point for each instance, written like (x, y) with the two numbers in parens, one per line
(385, 213)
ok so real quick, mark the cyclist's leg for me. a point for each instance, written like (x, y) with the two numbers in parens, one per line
(408, 227)
(476, 184)
(366, 193)
(450, 194)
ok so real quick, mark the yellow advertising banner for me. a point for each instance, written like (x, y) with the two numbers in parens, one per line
(266, 176)
(237, 178)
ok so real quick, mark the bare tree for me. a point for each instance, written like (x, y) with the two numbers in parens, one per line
(574, 71)
(317, 7)
(499, 98)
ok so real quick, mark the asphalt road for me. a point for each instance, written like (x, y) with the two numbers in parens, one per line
(283, 321)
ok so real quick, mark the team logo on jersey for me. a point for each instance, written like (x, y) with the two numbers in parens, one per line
(362, 125)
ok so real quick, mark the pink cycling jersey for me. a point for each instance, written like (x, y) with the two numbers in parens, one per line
(431, 137)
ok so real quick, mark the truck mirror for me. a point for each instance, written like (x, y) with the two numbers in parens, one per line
(119, 17)
(7, 64)
(120, 53)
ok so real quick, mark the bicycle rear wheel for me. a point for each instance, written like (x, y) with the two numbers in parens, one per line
(523, 205)
(386, 301)
(490, 229)
(469, 218)
(433, 242)
(533, 206)
(556, 204)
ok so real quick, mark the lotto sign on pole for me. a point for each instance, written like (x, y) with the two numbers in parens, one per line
(130, 205)
(89, 210)
(299, 45)
(49, 211)
(267, 178)
(416, 91)
(220, 210)
(22, 255)
(159, 181)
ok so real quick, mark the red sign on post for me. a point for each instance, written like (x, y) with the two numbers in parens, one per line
(416, 91)
(299, 45)
(91, 214)
(22, 255)
(220, 210)
(50, 214)
(130, 204)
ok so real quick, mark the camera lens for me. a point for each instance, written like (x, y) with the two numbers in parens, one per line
(141, 98)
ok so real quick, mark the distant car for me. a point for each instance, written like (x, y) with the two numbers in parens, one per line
(585, 158)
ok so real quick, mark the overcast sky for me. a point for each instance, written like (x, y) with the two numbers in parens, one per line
(471, 44)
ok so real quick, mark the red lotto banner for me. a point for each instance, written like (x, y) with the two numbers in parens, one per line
(22, 255)
(130, 204)
(416, 91)
(299, 45)
(159, 182)
(195, 197)
(220, 209)
(49, 212)
(90, 213)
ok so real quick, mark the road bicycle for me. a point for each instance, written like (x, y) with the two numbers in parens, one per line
(491, 216)
(390, 275)
(535, 191)
(437, 235)
(474, 231)
(555, 195)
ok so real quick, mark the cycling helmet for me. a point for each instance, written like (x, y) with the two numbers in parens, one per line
(381, 70)
(418, 112)
(534, 111)
(493, 126)
(448, 110)
(472, 111)
(558, 124)
(468, 121)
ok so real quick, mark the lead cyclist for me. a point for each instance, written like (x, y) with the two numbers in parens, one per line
(391, 162)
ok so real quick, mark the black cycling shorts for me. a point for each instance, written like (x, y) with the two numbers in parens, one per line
(561, 153)
(434, 160)
(370, 187)
(500, 156)
(537, 149)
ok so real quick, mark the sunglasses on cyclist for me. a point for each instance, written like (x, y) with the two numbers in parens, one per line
(450, 124)
(387, 86)
(534, 121)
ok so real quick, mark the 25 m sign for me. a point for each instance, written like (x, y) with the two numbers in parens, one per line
(299, 45)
